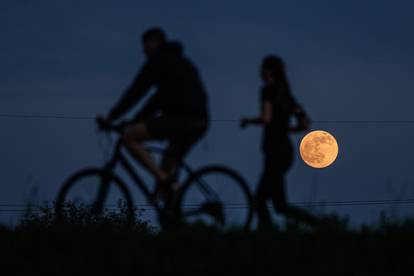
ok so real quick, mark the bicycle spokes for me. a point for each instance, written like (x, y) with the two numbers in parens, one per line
(215, 210)
(217, 196)
(92, 192)
(208, 211)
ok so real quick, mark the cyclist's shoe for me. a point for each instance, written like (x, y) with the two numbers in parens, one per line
(214, 209)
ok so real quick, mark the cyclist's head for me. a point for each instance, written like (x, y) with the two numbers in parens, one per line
(273, 68)
(152, 39)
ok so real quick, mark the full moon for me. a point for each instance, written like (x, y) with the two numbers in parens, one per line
(319, 149)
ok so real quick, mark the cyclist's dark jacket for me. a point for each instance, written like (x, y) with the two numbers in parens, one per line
(180, 91)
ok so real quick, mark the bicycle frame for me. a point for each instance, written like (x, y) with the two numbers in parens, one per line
(118, 157)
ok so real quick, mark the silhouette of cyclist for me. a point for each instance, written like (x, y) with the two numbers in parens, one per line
(277, 107)
(177, 112)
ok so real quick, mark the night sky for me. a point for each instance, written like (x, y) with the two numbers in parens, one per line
(349, 63)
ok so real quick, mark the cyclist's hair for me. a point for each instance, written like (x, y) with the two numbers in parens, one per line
(275, 66)
(155, 33)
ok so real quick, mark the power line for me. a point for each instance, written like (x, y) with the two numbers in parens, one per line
(19, 208)
(76, 117)
(33, 116)
(323, 203)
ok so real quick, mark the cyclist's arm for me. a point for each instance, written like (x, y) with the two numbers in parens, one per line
(139, 87)
(149, 110)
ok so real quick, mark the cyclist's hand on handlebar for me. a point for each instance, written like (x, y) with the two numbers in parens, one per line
(103, 123)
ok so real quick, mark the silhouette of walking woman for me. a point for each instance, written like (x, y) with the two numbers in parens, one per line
(277, 106)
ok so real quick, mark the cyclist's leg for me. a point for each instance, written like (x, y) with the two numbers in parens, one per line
(181, 142)
(170, 160)
(175, 152)
(133, 139)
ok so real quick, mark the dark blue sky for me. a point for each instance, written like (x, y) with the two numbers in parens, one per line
(346, 60)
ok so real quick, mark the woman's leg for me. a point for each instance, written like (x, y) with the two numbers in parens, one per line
(261, 197)
(264, 190)
(282, 206)
(280, 162)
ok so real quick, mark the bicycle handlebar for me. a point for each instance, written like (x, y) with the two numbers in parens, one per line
(104, 126)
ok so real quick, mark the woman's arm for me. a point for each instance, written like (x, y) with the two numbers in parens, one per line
(303, 121)
(264, 119)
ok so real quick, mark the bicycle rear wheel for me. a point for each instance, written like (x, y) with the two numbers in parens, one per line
(216, 196)
(93, 195)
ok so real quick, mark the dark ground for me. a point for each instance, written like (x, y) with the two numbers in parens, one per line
(40, 247)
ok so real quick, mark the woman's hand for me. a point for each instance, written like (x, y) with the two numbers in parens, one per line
(303, 124)
(244, 122)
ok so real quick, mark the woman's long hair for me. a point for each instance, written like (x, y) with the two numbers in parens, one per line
(276, 67)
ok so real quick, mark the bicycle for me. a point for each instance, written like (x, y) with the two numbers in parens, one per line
(197, 200)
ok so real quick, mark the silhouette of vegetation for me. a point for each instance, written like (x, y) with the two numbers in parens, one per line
(81, 216)
(105, 245)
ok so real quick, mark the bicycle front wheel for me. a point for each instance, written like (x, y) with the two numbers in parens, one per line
(93, 195)
(216, 196)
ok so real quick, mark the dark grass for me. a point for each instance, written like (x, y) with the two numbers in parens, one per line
(106, 245)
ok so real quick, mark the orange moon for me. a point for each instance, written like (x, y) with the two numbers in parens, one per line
(319, 149)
